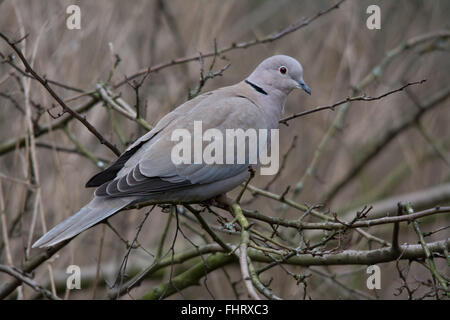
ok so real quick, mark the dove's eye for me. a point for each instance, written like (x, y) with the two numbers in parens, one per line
(283, 70)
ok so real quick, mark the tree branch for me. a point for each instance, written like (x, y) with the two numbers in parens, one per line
(349, 99)
(66, 108)
(301, 23)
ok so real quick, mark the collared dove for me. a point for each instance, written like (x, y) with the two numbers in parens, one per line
(145, 172)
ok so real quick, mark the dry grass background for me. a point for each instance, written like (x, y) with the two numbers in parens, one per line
(337, 51)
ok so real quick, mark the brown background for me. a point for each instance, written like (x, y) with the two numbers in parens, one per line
(337, 51)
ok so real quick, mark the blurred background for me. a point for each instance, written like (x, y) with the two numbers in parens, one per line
(341, 57)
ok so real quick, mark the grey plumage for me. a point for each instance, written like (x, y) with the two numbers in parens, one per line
(91, 214)
(145, 172)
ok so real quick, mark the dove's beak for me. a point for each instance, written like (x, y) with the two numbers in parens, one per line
(304, 86)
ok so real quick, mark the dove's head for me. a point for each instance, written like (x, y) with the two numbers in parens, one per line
(281, 73)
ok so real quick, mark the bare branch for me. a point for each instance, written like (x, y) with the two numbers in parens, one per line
(347, 100)
(66, 108)
(299, 24)
(20, 276)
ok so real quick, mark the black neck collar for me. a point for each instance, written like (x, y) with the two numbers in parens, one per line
(257, 88)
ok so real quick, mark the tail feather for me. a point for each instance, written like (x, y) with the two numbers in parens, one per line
(91, 214)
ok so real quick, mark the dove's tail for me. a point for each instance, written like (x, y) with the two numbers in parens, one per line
(94, 212)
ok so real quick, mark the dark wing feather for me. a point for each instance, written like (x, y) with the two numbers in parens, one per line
(110, 173)
(136, 184)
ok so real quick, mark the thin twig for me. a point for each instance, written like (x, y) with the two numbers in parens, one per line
(299, 24)
(66, 108)
(20, 276)
(347, 100)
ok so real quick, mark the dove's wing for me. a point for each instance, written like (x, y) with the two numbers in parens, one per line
(151, 170)
(111, 172)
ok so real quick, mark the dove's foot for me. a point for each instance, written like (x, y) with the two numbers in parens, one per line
(220, 201)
